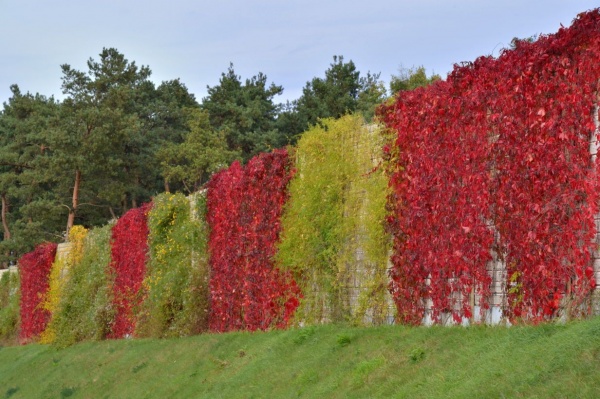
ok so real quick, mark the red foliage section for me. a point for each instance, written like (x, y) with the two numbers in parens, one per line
(34, 269)
(244, 207)
(497, 158)
(129, 252)
(441, 239)
(225, 192)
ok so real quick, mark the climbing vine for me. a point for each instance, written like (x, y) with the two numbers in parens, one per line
(129, 254)
(34, 269)
(9, 307)
(496, 159)
(86, 311)
(333, 236)
(176, 283)
(59, 275)
(244, 206)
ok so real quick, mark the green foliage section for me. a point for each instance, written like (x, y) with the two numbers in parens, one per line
(9, 307)
(244, 112)
(203, 152)
(342, 91)
(333, 226)
(176, 282)
(85, 311)
(25, 182)
(58, 278)
(543, 361)
(411, 78)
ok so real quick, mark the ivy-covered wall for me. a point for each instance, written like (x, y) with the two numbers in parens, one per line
(244, 206)
(85, 308)
(333, 232)
(497, 165)
(59, 277)
(176, 282)
(499, 160)
(34, 270)
(10, 292)
(129, 256)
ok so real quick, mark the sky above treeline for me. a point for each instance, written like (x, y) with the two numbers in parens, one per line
(288, 40)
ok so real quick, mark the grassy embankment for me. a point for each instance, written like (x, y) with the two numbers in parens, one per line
(545, 361)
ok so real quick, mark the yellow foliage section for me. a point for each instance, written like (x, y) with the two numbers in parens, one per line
(333, 228)
(58, 278)
(175, 286)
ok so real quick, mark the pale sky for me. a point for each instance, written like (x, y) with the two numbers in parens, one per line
(290, 41)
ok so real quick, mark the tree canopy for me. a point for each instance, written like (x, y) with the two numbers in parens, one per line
(117, 139)
(244, 112)
(202, 152)
(90, 157)
(411, 78)
(342, 91)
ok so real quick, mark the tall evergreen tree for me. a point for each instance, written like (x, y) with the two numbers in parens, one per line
(203, 152)
(167, 119)
(100, 142)
(91, 157)
(28, 213)
(244, 112)
(342, 91)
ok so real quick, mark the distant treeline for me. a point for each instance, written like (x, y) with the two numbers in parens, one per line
(117, 139)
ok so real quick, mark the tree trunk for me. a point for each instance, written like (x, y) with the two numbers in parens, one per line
(5, 226)
(134, 203)
(4, 221)
(75, 203)
(124, 204)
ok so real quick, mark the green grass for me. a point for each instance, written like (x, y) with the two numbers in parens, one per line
(545, 361)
